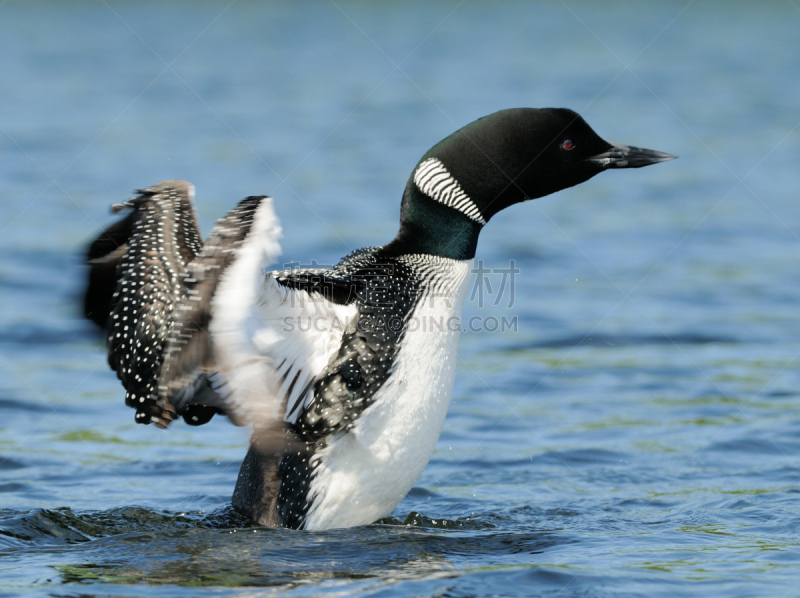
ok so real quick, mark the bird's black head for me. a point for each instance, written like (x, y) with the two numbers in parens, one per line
(499, 160)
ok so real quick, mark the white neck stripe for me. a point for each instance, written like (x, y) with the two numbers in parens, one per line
(435, 181)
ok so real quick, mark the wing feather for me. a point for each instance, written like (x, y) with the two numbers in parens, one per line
(276, 349)
(142, 258)
(188, 372)
(243, 341)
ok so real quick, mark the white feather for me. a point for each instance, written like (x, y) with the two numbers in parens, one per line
(264, 333)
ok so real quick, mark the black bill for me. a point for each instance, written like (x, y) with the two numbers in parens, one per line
(626, 156)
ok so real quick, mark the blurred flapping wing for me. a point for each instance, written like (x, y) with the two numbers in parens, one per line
(241, 341)
(143, 258)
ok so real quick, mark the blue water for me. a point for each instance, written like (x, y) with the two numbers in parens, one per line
(637, 435)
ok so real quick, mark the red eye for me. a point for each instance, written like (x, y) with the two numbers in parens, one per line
(567, 144)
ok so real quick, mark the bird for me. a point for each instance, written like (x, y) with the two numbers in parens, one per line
(345, 396)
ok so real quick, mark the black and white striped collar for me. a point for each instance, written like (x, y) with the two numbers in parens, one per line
(434, 180)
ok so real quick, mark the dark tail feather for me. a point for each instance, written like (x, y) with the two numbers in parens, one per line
(103, 258)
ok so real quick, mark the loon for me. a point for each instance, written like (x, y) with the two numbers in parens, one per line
(345, 397)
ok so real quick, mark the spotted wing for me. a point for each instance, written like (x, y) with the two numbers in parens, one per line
(155, 243)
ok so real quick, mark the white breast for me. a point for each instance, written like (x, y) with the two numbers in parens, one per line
(363, 474)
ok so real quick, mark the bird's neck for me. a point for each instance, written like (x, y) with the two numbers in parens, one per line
(429, 227)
